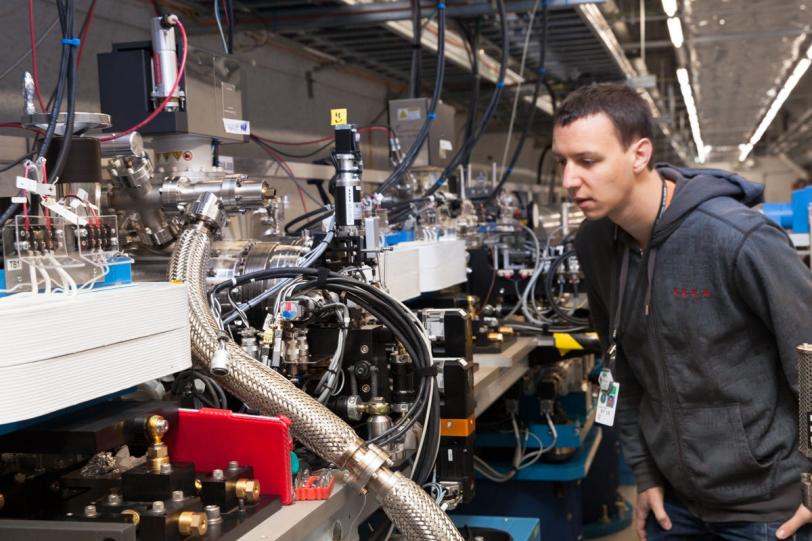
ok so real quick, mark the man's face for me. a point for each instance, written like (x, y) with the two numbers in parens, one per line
(597, 172)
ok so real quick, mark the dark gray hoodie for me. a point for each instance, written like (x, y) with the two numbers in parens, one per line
(708, 374)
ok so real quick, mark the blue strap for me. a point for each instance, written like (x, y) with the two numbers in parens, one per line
(440, 5)
(432, 115)
(73, 41)
(500, 84)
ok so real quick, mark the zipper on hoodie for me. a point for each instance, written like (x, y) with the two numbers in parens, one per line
(651, 325)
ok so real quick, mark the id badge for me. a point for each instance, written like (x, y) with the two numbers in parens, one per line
(607, 404)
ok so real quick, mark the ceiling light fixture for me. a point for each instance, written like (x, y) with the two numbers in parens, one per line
(675, 31)
(688, 97)
(670, 7)
(797, 74)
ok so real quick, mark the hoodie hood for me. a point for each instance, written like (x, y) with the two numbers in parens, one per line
(694, 187)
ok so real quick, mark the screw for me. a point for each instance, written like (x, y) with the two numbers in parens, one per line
(114, 499)
(365, 349)
(365, 388)
(90, 511)
(217, 475)
(158, 506)
(233, 465)
(177, 496)
(166, 468)
(213, 515)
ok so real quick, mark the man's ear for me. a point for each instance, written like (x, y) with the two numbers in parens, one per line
(642, 150)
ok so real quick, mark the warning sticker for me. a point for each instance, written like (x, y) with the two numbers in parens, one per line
(237, 126)
(409, 113)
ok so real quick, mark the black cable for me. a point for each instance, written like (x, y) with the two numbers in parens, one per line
(469, 144)
(540, 167)
(59, 165)
(321, 213)
(529, 121)
(420, 139)
(417, 50)
(472, 40)
(231, 25)
(65, 11)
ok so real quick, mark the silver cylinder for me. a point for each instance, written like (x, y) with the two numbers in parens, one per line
(235, 191)
(805, 399)
(412, 511)
(164, 64)
(130, 145)
(378, 425)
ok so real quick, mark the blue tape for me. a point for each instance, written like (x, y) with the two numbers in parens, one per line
(500, 84)
(440, 5)
(432, 115)
(74, 41)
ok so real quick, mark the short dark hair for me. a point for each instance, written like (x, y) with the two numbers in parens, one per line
(629, 113)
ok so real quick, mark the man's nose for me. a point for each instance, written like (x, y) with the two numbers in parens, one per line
(570, 178)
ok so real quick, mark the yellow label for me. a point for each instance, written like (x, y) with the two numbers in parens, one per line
(338, 116)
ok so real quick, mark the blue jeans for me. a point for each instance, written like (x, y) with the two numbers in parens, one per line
(687, 527)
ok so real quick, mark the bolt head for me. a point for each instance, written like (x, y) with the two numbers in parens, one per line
(365, 349)
(177, 496)
(233, 465)
(158, 506)
(217, 475)
(90, 511)
(114, 499)
(166, 468)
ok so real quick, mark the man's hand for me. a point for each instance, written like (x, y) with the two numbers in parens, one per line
(802, 516)
(651, 500)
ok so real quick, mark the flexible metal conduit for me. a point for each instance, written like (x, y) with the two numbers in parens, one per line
(412, 510)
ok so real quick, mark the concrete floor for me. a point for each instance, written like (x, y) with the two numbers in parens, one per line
(630, 494)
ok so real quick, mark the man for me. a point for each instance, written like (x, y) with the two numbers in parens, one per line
(706, 300)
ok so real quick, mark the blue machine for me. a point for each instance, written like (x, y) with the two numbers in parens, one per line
(519, 528)
(572, 490)
(120, 273)
(794, 214)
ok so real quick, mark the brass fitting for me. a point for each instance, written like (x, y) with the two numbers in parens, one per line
(504, 329)
(495, 337)
(2, 500)
(157, 452)
(192, 523)
(247, 489)
(136, 518)
(198, 486)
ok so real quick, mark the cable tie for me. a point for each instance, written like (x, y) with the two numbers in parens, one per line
(500, 84)
(431, 115)
(73, 41)
(440, 5)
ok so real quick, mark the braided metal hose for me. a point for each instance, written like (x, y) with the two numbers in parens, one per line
(412, 511)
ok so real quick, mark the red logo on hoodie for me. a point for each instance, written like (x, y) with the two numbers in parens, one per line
(693, 293)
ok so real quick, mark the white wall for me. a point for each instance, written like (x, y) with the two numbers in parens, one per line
(776, 173)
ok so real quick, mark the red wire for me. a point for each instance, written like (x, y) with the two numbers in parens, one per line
(85, 31)
(169, 97)
(33, 34)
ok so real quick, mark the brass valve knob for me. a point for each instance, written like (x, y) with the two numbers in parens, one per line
(192, 523)
(247, 489)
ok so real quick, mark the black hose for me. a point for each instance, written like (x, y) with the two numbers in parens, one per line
(316, 216)
(529, 122)
(415, 79)
(411, 155)
(230, 9)
(66, 64)
(59, 165)
(469, 144)
(472, 40)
